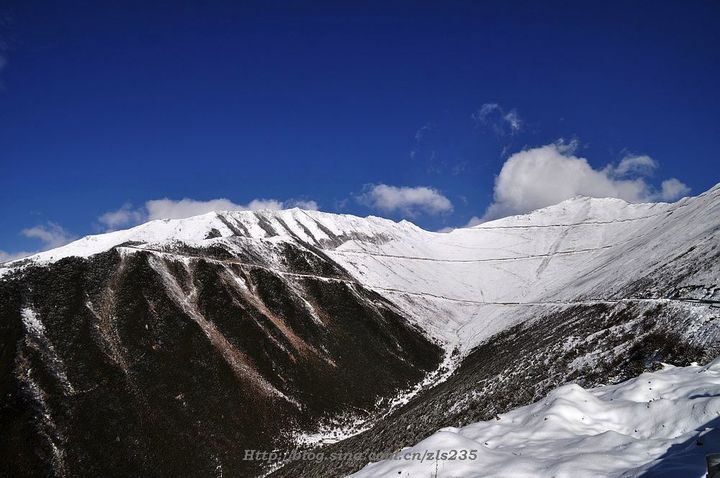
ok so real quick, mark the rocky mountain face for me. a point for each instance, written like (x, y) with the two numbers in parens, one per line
(145, 363)
(171, 348)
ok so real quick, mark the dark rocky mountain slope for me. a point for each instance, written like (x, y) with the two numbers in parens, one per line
(171, 348)
(149, 364)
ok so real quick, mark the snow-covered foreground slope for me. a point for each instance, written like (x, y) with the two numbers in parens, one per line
(663, 422)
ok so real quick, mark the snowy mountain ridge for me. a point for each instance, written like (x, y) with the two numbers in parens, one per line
(501, 270)
(317, 226)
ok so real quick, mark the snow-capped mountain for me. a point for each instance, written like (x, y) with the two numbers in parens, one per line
(251, 330)
(519, 262)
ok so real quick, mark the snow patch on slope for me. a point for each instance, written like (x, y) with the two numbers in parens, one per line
(345, 426)
(664, 422)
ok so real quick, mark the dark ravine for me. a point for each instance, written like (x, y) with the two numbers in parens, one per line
(149, 364)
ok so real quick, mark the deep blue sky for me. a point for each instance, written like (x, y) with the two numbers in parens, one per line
(107, 103)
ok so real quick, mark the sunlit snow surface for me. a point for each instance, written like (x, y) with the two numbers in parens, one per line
(464, 286)
(663, 423)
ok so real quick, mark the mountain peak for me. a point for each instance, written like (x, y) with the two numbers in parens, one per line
(317, 227)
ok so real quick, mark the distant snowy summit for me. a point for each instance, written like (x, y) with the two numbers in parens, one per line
(533, 259)
(326, 228)
(276, 225)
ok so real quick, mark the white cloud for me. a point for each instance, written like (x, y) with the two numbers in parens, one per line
(409, 201)
(172, 209)
(302, 204)
(543, 176)
(51, 235)
(125, 215)
(422, 132)
(11, 256)
(642, 164)
(513, 119)
(178, 209)
(474, 221)
(485, 111)
(501, 121)
(672, 189)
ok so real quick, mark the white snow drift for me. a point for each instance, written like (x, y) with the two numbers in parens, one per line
(663, 423)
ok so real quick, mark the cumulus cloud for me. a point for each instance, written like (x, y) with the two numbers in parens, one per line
(51, 235)
(409, 201)
(125, 215)
(496, 117)
(672, 189)
(172, 209)
(474, 221)
(543, 176)
(178, 209)
(642, 164)
(11, 256)
(302, 204)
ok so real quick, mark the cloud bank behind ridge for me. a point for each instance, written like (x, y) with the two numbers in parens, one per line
(546, 175)
(407, 201)
(178, 209)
